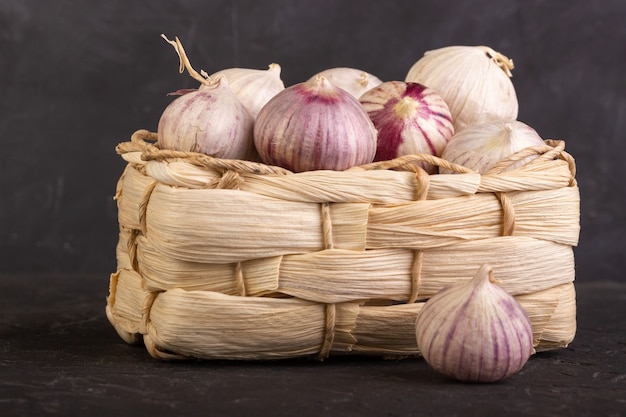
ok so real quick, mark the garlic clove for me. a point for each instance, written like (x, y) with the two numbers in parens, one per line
(481, 146)
(314, 125)
(473, 80)
(474, 331)
(353, 80)
(253, 87)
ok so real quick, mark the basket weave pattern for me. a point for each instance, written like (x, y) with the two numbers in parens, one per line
(226, 259)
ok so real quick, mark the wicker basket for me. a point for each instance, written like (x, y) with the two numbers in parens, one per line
(226, 259)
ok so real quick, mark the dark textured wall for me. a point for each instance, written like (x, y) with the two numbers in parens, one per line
(77, 77)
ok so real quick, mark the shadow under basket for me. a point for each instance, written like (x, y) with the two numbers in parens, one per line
(230, 259)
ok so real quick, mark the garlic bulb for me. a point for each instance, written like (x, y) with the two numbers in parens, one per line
(253, 87)
(481, 146)
(473, 80)
(314, 125)
(410, 118)
(474, 331)
(210, 120)
(354, 81)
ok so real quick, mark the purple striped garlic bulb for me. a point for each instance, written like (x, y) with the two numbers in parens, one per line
(410, 119)
(474, 331)
(314, 125)
(211, 121)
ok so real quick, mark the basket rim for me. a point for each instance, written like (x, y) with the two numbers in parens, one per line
(145, 142)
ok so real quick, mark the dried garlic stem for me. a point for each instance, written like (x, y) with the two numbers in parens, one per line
(363, 79)
(501, 60)
(184, 62)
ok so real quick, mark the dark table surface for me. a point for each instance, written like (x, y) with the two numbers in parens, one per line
(60, 356)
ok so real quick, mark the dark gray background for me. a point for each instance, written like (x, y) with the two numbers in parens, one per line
(78, 77)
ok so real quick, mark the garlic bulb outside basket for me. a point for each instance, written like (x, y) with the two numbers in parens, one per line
(473, 80)
(253, 87)
(353, 80)
(314, 125)
(481, 146)
(474, 331)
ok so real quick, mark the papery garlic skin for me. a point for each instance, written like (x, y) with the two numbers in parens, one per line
(473, 80)
(474, 331)
(353, 80)
(410, 119)
(210, 121)
(253, 87)
(314, 125)
(481, 146)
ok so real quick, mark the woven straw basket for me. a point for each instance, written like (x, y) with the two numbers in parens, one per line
(226, 259)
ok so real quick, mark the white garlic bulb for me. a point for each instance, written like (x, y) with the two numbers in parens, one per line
(253, 87)
(473, 80)
(353, 80)
(474, 331)
(481, 146)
